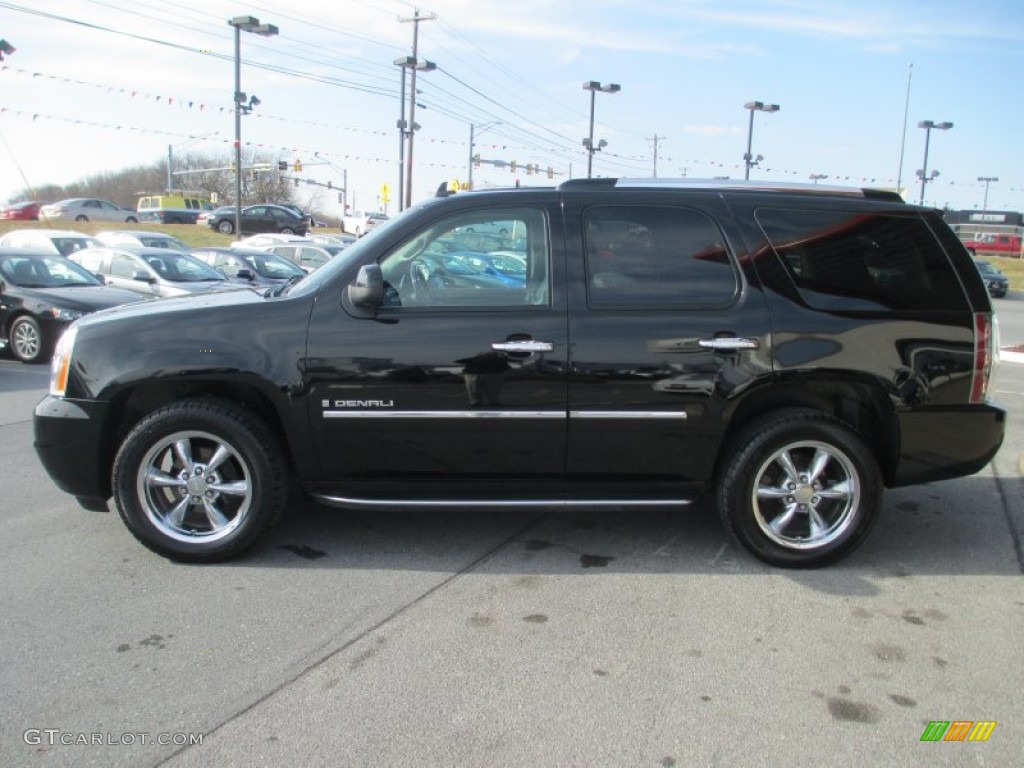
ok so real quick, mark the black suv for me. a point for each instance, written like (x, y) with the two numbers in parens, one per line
(789, 350)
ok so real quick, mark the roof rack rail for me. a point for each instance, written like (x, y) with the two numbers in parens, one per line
(733, 184)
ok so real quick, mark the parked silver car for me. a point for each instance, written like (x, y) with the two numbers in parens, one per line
(152, 271)
(138, 238)
(60, 241)
(87, 209)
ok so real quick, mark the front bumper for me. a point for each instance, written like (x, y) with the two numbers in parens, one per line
(70, 443)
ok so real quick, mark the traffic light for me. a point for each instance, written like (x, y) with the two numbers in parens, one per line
(297, 167)
(476, 160)
(512, 165)
(282, 165)
(341, 197)
(296, 182)
(551, 172)
(255, 176)
(330, 185)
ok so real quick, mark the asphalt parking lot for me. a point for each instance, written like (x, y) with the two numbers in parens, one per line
(511, 638)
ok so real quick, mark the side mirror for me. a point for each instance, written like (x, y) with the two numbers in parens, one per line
(367, 290)
(246, 274)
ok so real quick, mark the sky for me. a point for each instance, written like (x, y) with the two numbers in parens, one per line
(95, 86)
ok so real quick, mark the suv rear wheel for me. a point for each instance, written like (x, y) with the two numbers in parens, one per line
(800, 489)
(199, 480)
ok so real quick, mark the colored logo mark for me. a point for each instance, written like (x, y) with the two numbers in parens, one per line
(958, 730)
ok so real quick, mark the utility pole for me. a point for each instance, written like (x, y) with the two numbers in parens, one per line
(416, 19)
(654, 139)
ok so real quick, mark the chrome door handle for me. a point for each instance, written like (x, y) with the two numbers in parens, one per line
(523, 345)
(729, 343)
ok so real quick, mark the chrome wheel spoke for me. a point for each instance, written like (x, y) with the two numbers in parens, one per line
(176, 516)
(818, 526)
(818, 464)
(183, 452)
(838, 491)
(770, 492)
(780, 523)
(785, 461)
(237, 488)
(158, 479)
(222, 454)
(214, 516)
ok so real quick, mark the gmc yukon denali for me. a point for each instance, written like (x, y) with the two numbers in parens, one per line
(788, 351)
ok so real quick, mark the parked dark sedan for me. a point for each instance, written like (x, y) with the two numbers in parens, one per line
(248, 265)
(995, 281)
(41, 295)
(259, 218)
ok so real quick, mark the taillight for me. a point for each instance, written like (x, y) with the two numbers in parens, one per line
(984, 356)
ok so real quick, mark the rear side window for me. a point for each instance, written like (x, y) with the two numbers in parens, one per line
(854, 260)
(656, 256)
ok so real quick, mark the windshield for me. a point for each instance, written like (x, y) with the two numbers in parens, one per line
(180, 268)
(44, 272)
(271, 265)
(67, 245)
(162, 242)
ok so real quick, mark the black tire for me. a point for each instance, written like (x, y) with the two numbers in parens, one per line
(27, 341)
(799, 490)
(182, 505)
(81, 217)
(131, 220)
(225, 227)
(287, 231)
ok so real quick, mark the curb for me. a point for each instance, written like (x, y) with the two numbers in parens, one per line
(1007, 355)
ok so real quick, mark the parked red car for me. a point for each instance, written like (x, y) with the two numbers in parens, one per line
(24, 211)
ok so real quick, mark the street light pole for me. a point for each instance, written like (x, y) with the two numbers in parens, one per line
(988, 180)
(754, 106)
(403, 63)
(593, 86)
(923, 173)
(240, 24)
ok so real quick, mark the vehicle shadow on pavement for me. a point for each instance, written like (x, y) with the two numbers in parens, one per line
(958, 527)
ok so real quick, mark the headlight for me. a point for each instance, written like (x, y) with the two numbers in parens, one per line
(65, 314)
(60, 367)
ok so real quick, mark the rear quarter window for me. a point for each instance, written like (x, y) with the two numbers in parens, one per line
(857, 260)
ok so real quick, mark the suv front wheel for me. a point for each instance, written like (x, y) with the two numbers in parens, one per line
(200, 480)
(800, 489)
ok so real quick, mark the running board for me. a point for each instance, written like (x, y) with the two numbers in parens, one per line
(397, 504)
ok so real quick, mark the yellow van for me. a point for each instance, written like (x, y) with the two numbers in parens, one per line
(174, 207)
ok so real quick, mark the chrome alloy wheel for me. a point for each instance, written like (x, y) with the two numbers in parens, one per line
(806, 495)
(26, 340)
(194, 486)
